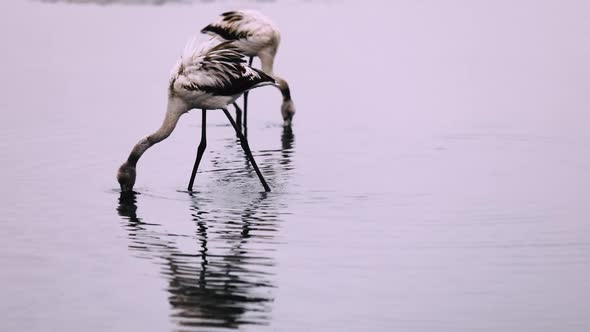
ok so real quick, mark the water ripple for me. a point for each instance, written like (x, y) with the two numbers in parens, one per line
(222, 275)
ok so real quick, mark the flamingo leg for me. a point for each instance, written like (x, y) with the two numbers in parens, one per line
(246, 104)
(238, 115)
(246, 147)
(200, 150)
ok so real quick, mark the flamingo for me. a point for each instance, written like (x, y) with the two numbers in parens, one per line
(255, 35)
(208, 77)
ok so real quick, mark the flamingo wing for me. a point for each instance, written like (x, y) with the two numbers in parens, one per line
(217, 68)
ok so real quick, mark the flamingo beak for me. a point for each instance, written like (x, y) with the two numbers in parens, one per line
(288, 120)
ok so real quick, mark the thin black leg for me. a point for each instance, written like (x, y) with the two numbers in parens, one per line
(238, 115)
(200, 150)
(246, 147)
(246, 104)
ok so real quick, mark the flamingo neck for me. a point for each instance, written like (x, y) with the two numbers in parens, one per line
(176, 107)
(267, 63)
(284, 87)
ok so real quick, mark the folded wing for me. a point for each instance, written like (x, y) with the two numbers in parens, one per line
(217, 68)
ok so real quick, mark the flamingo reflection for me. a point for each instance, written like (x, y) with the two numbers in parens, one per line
(224, 281)
(225, 277)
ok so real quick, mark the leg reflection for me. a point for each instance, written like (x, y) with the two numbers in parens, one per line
(287, 146)
(225, 280)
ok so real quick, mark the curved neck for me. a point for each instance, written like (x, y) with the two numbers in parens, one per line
(284, 87)
(176, 107)
(267, 62)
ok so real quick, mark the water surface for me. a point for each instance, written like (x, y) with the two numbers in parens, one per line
(435, 178)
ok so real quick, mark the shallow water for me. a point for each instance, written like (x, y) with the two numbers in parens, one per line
(435, 178)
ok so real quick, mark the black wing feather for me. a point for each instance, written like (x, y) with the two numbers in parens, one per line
(227, 32)
(239, 85)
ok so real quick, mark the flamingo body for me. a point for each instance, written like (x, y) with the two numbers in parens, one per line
(212, 77)
(255, 35)
(209, 77)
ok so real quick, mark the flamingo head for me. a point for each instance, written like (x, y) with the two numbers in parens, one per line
(288, 111)
(126, 177)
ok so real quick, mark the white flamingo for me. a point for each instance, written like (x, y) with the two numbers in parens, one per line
(208, 77)
(255, 35)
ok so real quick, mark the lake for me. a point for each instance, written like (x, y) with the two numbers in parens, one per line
(435, 178)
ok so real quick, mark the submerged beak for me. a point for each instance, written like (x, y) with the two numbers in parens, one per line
(288, 120)
(125, 188)
(126, 178)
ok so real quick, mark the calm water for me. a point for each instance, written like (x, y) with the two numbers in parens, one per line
(435, 179)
